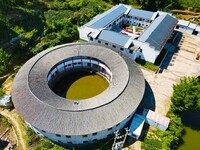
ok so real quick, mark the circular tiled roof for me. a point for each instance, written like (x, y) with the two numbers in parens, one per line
(43, 109)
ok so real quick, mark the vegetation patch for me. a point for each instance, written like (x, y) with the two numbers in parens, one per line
(147, 65)
(4, 62)
(36, 142)
(151, 143)
(188, 15)
(1, 92)
(186, 96)
(29, 27)
(4, 121)
(138, 29)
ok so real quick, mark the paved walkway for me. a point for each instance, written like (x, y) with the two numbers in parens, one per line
(181, 63)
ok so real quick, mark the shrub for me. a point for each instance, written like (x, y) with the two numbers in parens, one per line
(5, 121)
(30, 132)
(147, 65)
(4, 62)
(1, 92)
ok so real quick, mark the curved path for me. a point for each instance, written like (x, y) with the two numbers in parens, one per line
(14, 121)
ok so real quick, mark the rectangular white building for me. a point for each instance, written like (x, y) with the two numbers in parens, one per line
(155, 119)
(106, 29)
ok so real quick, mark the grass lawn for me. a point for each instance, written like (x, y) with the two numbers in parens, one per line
(138, 28)
(4, 124)
(147, 65)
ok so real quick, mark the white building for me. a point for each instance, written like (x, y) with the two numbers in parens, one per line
(106, 29)
(72, 122)
(182, 24)
(188, 27)
(191, 28)
(154, 119)
(198, 30)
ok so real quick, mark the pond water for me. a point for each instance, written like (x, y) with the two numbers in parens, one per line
(79, 84)
(191, 139)
(86, 87)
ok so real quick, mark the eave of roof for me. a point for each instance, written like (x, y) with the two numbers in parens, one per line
(107, 17)
(41, 108)
(141, 13)
(115, 38)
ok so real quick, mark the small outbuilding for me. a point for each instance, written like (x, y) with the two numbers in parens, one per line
(191, 27)
(154, 119)
(136, 126)
(5, 100)
(182, 24)
(198, 30)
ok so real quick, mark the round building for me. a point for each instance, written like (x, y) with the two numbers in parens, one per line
(39, 93)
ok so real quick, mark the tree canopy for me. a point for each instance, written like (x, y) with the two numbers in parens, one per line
(4, 61)
(186, 95)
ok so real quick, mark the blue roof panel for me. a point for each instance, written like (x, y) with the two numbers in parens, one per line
(104, 19)
(159, 31)
(114, 37)
(141, 13)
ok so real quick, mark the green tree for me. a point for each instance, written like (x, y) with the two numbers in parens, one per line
(185, 95)
(151, 5)
(1, 92)
(4, 62)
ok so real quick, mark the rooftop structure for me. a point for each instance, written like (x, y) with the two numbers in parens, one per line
(70, 122)
(142, 13)
(158, 33)
(103, 20)
(192, 25)
(198, 28)
(156, 120)
(183, 22)
(115, 38)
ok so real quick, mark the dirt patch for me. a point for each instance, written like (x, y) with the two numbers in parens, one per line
(7, 134)
(186, 12)
(2, 128)
(19, 128)
(35, 140)
(187, 15)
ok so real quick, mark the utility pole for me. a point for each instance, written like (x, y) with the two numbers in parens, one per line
(119, 140)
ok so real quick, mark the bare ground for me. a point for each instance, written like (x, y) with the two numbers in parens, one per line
(12, 116)
(7, 85)
(187, 15)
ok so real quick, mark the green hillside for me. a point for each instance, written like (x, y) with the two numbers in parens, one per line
(30, 26)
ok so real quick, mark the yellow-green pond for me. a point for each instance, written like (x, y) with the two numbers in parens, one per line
(86, 87)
